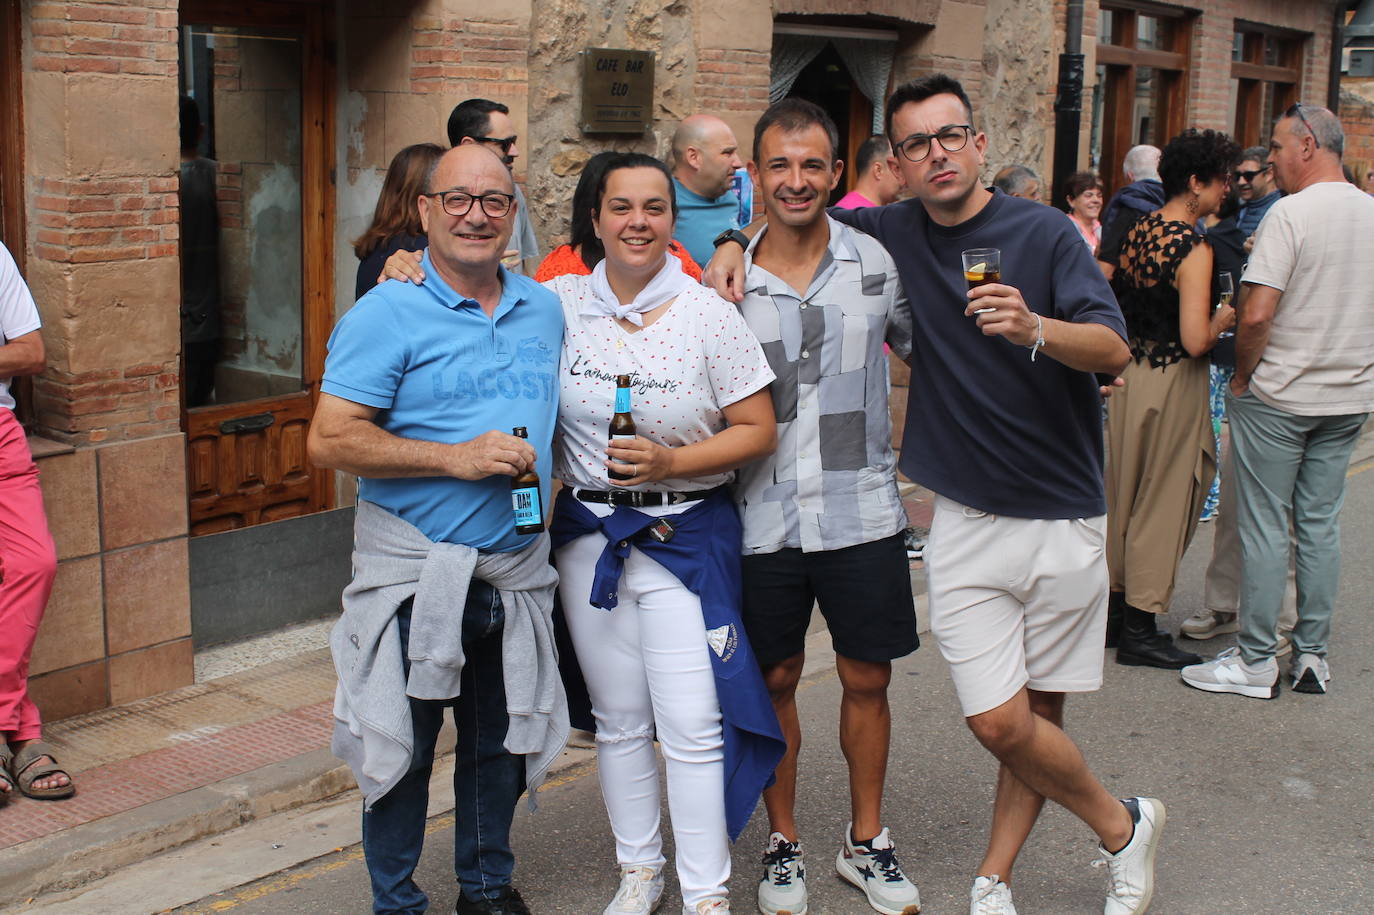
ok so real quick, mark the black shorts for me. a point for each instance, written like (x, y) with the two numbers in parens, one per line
(864, 592)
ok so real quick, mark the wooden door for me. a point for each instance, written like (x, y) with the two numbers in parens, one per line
(257, 274)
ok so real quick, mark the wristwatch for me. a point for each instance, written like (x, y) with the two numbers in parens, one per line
(734, 235)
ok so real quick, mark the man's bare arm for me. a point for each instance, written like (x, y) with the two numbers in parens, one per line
(344, 436)
(1257, 307)
(724, 272)
(24, 355)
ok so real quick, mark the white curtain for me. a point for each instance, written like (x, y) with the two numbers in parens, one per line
(870, 64)
(791, 54)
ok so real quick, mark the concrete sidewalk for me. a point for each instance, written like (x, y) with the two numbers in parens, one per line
(195, 762)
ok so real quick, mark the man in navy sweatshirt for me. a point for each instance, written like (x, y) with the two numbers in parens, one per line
(1004, 426)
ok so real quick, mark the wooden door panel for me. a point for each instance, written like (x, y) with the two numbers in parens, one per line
(238, 478)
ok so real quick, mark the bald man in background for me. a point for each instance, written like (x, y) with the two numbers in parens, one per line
(705, 156)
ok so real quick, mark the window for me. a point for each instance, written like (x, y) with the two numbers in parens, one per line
(1142, 83)
(1265, 64)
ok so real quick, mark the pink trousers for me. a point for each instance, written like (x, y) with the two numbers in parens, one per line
(30, 564)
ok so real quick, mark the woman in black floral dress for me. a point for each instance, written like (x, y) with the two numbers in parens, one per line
(1159, 433)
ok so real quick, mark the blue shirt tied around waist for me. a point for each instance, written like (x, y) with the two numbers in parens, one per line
(704, 554)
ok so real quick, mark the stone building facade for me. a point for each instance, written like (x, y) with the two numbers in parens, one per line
(179, 526)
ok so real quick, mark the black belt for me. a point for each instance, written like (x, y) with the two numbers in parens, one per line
(636, 499)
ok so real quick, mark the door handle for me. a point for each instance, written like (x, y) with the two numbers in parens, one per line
(255, 423)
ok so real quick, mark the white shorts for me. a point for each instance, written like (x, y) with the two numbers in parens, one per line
(1016, 602)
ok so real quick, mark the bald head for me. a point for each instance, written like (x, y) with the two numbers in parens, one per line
(705, 155)
(465, 159)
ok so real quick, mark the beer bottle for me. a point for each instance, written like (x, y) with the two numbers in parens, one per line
(622, 424)
(524, 494)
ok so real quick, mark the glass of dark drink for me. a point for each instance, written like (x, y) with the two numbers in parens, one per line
(982, 265)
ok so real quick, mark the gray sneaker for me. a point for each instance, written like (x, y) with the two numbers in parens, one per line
(782, 891)
(1308, 673)
(1206, 624)
(1228, 673)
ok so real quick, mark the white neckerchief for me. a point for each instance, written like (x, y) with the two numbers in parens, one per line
(666, 285)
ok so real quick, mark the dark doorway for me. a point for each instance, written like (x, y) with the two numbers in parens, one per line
(826, 81)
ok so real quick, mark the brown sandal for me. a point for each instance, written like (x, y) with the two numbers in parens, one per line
(9, 786)
(27, 769)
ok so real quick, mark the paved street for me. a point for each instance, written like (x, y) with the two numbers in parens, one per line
(1269, 802)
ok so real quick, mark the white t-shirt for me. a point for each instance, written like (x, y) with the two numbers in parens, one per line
(1312, 247)
(696, 359)
(18, 314)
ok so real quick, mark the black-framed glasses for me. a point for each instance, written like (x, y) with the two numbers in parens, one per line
(1296, 111)
(457, 203)
(1249, 175)
(951, 137)
(504, 142)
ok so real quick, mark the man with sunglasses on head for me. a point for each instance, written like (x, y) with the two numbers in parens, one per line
(1254, 181)
(1303, 387)
(488, 123)
(1004, 424)
(449, 607)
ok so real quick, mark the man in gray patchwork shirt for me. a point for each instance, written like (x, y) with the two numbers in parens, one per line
(823, 520)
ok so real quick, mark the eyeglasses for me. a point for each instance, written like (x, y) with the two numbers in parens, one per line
(1248, 176)
(457, 203)
(951, 137)
(1296, 111)
(505, 143)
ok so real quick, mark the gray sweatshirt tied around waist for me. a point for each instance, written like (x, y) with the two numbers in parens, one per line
(392, 561)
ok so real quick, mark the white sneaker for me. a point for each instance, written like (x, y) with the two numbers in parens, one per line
(872, 867)
(1206, 624)
(641, 890)
(1228, 673)
(1309, 674)
(990, 897)
(782, 891)
(712, 905)
(1132, 870)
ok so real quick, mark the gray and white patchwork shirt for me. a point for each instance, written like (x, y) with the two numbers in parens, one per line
(832, 482)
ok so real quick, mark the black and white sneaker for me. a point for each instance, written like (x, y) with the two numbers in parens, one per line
(915, 544)
(782, 891)
(872, 867)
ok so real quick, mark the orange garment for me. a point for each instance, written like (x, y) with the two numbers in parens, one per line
(563, 260)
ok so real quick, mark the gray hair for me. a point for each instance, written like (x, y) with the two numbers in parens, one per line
(1324, 126)
(1141, 162)
(1014, 179)
(1254, 153)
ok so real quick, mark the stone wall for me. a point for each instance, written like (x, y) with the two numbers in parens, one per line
(101, 157)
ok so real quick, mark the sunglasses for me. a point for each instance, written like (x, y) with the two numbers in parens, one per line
(1249, 176)
(504, 142)
(1296, 111)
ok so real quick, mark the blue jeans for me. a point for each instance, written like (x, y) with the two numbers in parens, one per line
(1285, 463)
(487, 780)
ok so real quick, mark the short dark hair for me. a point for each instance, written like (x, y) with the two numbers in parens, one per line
(918, 90)
(190, 123)
(1079, 182)
(472, 118)
(632, 160)
(793, 115)
(1258, 153)
(874, 148)
(581, 233)
(1202, 154)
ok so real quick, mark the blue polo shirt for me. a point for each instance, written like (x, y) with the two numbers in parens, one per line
(438, 369)
(701, 219)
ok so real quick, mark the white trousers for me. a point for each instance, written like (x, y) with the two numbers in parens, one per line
(648, 670)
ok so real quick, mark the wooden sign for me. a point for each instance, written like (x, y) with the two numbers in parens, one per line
(617, 90)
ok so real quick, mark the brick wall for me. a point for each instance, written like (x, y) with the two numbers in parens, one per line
(732, 82)
(1357, 117)
(100, 97)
